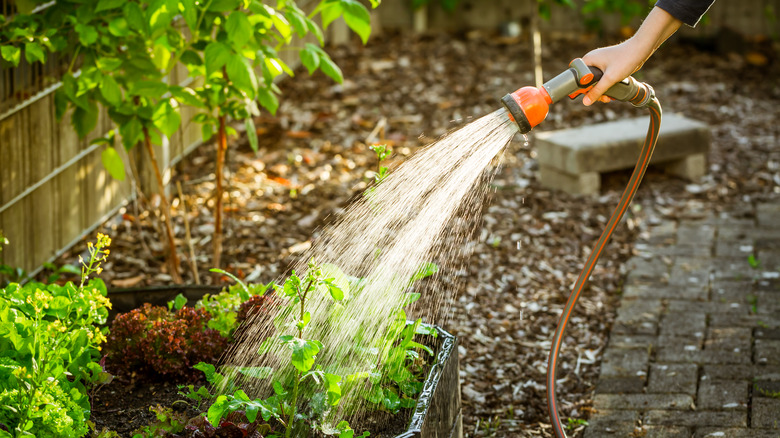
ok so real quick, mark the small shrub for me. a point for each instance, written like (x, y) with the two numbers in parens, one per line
(153, 339)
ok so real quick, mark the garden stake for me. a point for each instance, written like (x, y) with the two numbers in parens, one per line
(528, 107)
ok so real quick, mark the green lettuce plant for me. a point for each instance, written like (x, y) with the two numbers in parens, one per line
(50, 338)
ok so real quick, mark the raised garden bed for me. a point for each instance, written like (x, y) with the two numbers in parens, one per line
(124, 404)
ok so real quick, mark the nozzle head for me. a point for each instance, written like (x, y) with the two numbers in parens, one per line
(527, 107)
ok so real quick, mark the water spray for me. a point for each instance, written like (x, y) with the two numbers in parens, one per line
(528, 107)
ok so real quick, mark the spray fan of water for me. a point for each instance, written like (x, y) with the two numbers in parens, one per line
(421, 212)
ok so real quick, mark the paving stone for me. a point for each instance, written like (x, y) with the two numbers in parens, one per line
(722, 395)
(732, 268)
(692, 293)
(724, 291)
(686, 275)
(612, 424)
(720, 432)
(764, 303)
(672, 378)
(624, 362)
(683, 324)
(642, 401)
(680, 353)
(666, 432)
(767, 351)
(766, 388)
(767, 214)
(767, 333)
(736, 233)
(638, 316)
(729, 248)
(644, 342)
(696, 418)
(740, 371)
(765, 413)
(646, 268)
(683, 306)
(768, 285)
(690, 342)
(692, 233)
(730, 339)
(752, 321)
(620, 385)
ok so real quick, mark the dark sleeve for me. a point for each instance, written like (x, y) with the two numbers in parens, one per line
(687, 11)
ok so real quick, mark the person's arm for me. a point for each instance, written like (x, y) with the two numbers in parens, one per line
(621, 60)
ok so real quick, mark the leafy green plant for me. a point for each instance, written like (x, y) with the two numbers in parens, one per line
(594, 10)
(574, 423)
(753, 261)
(167, 422)
(50, 336)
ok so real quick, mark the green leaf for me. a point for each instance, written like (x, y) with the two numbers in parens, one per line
(166, 118)
(216, 410)
(189, 12)
(315, 29)
(251, 133)
(104, 5)
(304, 352)
(297, 21)
(216, 55)
(108, 64)
(85, 120)
(25, 6)
(113, 163)
(223, 5)
(330, 68)
(179, 301)
(34, 52)
(334, 390)
(152, 89)
(242, 75)
(118, 27)
(11, 54)
(135, 17)
(185, 96)
(357, 18)
(131, 132)
(110, 90)
(310, 57)
(161, 56)
(329, 13)
(87, 34)
(281, 25)
(268, 100)
(239, 29)
(426, 270)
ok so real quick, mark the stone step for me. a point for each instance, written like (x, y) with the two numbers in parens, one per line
(573, 159)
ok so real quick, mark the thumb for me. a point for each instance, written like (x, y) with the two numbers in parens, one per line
(595, 93)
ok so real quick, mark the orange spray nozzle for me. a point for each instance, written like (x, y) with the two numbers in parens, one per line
(527, 107)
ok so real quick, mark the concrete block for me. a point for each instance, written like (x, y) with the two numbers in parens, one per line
(586, 183)
(766, 413)
(723, 395)
(682, 146)
(696, 418)
(643, 401)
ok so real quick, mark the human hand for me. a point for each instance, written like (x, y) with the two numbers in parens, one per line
(617, 63)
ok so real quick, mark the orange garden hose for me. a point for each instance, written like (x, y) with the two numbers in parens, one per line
(625, 200)
(528, 107)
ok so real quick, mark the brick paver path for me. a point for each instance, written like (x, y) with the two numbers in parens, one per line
(695, 348)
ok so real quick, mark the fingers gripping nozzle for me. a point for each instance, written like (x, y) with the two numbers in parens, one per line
(529, 106)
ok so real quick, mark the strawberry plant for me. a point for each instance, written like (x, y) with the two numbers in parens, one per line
(50, 336)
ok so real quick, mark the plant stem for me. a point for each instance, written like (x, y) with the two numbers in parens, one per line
(221, 150)
(173, 257)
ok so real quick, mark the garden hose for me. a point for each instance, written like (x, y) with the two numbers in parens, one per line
(528, 107)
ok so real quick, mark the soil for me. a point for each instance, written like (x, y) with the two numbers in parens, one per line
(314, 158)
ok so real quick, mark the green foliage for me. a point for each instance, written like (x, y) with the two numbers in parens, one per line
(753, 261)
(50, 338)
(167, 422)
(573, 423)
(594, 10)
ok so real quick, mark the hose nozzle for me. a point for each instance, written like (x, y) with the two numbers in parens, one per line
(528, 106)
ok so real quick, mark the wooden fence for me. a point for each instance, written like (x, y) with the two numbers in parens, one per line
(54, 190)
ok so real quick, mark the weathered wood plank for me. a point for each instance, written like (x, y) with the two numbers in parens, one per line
(40, 144)
(69, 206)
(15, 228)
(42, 219)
